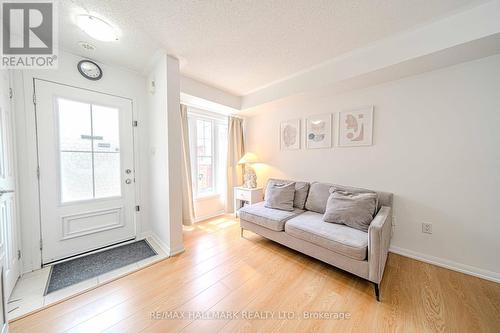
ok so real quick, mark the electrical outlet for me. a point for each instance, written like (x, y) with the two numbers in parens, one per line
(427, 228)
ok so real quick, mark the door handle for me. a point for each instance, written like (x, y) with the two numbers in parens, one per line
(128, 181)
(2, 192)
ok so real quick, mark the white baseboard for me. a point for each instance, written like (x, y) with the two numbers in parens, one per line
(177, 251)
(143, 235)
(165, 248)
(445, 263)
(206, 217)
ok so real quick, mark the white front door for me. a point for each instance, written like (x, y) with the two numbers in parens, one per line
(9, 257)
(86, 160)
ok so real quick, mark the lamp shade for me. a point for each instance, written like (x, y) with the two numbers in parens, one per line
(248, 158)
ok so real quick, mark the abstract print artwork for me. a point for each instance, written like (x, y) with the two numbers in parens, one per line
(319, 131)
(356, 127)
(290, 134)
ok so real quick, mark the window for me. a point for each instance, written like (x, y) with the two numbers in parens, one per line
(204, 157)
(89, 151)
(208, 142)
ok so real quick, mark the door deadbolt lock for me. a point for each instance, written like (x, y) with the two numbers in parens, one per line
(128, 171)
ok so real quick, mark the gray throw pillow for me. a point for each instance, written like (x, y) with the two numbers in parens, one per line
(280, 196)
(352, 209)
(301, 190)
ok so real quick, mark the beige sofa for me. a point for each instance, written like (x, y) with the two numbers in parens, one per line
(361, 253)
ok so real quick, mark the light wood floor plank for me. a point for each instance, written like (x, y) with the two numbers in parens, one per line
(170, 292)
(122, 291)
(140, 321)
(219, 271)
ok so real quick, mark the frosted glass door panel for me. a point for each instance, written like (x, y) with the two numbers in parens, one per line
(106, 128)
(74, 125)
(107, 175)
(89, 151)
(76, 176)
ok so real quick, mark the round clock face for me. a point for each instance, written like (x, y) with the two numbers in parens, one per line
(90, 70)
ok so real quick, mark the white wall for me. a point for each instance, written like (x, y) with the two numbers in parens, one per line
(205, 92)
(205, 208)
(436, 147)
(165, 154)
(116, 81)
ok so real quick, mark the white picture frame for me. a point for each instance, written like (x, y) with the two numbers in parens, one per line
(290, 134)
(318, 131)
(355, 127)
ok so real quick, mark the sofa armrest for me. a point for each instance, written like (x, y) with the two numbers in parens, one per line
(379, 238)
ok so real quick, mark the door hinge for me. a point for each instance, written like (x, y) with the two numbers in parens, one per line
(11, 94)
(34, 98)
(38, 172)
(135, 123)
(18, 254)
(137, 208)
(41, 244)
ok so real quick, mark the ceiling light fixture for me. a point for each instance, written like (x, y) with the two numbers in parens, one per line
(97, 28)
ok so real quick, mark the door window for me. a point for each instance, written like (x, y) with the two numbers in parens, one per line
(89, 151)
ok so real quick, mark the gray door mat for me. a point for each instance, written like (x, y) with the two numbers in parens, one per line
(80, 269)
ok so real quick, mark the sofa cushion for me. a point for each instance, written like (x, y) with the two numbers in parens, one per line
(280, 196)
(355, 190)
(320, 192)
(318, 196)
(301, 191)
(352, 209)
(338, 238)
(273, 219)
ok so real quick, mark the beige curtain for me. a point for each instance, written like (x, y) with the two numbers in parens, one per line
(187, 185)
(235, 151)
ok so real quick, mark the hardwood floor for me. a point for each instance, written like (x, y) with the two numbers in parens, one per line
(221, 273)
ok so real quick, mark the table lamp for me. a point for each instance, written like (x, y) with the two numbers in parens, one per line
(250, 177)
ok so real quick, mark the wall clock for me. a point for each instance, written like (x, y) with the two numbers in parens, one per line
(90, 70)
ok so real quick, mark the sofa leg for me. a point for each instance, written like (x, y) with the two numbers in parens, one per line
(241, 231)
(377, 291)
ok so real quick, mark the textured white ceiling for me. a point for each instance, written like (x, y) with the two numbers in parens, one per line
(242, 45)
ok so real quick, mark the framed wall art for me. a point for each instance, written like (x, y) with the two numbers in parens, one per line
(290, 134)
(319, 131)
(356, 127)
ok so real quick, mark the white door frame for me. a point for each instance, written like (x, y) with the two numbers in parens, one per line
(9, 281)
(27, 148)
